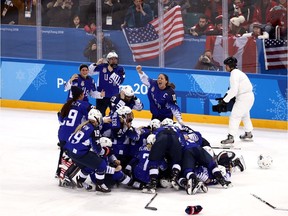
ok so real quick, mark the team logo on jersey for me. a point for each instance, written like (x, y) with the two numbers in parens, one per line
(104, 70)
(174, 97)
(153, 89)
(82, 83)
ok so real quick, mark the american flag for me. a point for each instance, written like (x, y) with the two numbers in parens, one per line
(275, 54)
(144, 41)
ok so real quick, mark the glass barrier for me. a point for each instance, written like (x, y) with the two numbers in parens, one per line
(187, 34)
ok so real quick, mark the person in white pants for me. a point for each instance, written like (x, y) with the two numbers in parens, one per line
(242, 89)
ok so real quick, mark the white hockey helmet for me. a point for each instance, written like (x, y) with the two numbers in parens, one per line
(95, 114)
(264, 161)
(167, 122)
(155, 123)
(151, 139)
(128, 91)
(123, 110)
(176, 124)
(112, 55)
(104, 141)
(126, 113)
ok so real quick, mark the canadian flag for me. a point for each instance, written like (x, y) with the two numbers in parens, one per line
(242, 48)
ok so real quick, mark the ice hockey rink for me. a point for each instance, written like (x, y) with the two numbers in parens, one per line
(29, 154)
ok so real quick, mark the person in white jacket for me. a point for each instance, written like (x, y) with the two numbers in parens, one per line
(242, 89)
(257, 32)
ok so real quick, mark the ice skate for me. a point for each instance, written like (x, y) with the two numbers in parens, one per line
(102, 188)
(165, 183)
(80, 183)
(239, 163)
(194, 185)
(228, 141)
(175, 174)
(224, 182)
(247, 137)
(221, 180)
(150, 187)
(67, 183)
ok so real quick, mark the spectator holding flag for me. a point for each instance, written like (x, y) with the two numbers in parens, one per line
(161, 96)
(138, 15)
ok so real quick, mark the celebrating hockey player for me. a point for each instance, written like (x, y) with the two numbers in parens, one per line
(161, 95)
(110, 77)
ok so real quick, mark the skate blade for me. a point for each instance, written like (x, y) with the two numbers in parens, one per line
(228, 186)
(196, 189)
(247, 140)
(148, 191)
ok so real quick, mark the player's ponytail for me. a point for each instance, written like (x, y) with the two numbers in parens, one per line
(66, 108)
(169, 84)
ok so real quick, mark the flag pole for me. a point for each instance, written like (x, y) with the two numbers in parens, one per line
(225, 23)
(161, 35)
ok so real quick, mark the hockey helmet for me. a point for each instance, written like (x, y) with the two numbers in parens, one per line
(231, 62)
(104, 141)
(264, 161)
(112, 55)
(126, 113)
(128, 91)
(151, 139)
(155, 123)
(95, 115)
(167, 122)
(225, 158)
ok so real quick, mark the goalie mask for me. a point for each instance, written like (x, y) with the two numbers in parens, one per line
(225, 159)
(264, 161)
(125, 113)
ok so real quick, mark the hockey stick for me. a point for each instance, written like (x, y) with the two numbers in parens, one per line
(225, 147)
(267, 203)
(149, 207)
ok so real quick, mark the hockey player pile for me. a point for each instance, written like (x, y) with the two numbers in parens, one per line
(101, 152)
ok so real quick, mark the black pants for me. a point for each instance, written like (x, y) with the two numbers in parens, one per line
(103, 104)
(166, 145)
(90, 160)
(197, 156)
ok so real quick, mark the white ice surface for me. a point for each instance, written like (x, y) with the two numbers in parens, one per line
(28, 158)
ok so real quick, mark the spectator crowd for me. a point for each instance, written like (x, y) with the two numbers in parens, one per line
(268, 16)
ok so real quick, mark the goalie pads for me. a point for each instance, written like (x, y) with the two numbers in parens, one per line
(66, 162)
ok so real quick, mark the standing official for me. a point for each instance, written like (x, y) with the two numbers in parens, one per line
(242, 89)
(110, 76)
